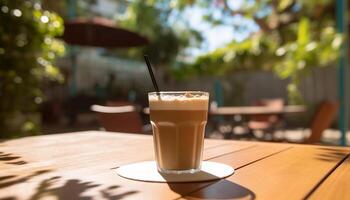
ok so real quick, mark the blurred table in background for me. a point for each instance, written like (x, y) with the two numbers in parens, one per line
(251, 110)
(250, 118)
(81, 166)
(255, 110)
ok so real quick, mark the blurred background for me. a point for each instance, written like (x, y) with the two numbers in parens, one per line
(275, 70)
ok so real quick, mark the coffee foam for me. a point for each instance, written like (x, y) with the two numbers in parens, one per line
(169, 102)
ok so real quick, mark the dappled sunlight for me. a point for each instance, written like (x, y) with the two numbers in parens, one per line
(88, 86)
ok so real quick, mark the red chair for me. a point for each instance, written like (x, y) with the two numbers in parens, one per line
(119, 117)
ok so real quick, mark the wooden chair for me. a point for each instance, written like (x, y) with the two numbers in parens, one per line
(119, 117)
(322, 119)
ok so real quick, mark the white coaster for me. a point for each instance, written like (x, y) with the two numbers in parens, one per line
(147, 171)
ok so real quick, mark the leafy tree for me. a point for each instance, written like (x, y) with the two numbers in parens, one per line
(28, 49)
(163, 26)
(294, 36)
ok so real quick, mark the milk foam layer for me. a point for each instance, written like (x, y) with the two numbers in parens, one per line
(179, 102)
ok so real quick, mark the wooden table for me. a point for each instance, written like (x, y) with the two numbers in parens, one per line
(256, 110)
(80, 166)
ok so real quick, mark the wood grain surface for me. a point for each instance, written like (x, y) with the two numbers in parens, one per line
(337, 184)
(81, 166)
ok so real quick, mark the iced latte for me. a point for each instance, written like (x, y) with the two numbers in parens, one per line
(178, 121)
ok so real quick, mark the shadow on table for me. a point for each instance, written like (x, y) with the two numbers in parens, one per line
(10, 180)
(12, 159)
(71, 189)
(74, 189)
(9, 198)
(219, 189)
(331, 155)
(108, 193)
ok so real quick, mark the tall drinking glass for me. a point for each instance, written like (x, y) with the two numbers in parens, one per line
(178, 121)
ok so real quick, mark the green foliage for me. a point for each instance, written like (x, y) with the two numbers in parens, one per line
(296, 59)
(28, 49)
(157, 21)
(294, 36)
(232, 58)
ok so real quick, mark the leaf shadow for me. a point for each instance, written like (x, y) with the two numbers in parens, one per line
(12, 159)
(6, 181)
(108, 193)
(74, 189)
(331, 155)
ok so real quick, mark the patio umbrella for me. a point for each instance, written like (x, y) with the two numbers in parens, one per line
(97, 32)
(100, 32)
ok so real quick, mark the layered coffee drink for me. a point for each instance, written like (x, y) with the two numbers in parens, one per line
(178, 121)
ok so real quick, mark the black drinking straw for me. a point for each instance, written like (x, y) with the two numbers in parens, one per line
(149, 66)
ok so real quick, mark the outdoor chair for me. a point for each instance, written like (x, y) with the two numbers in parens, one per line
(322, 119)
(119, 116)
